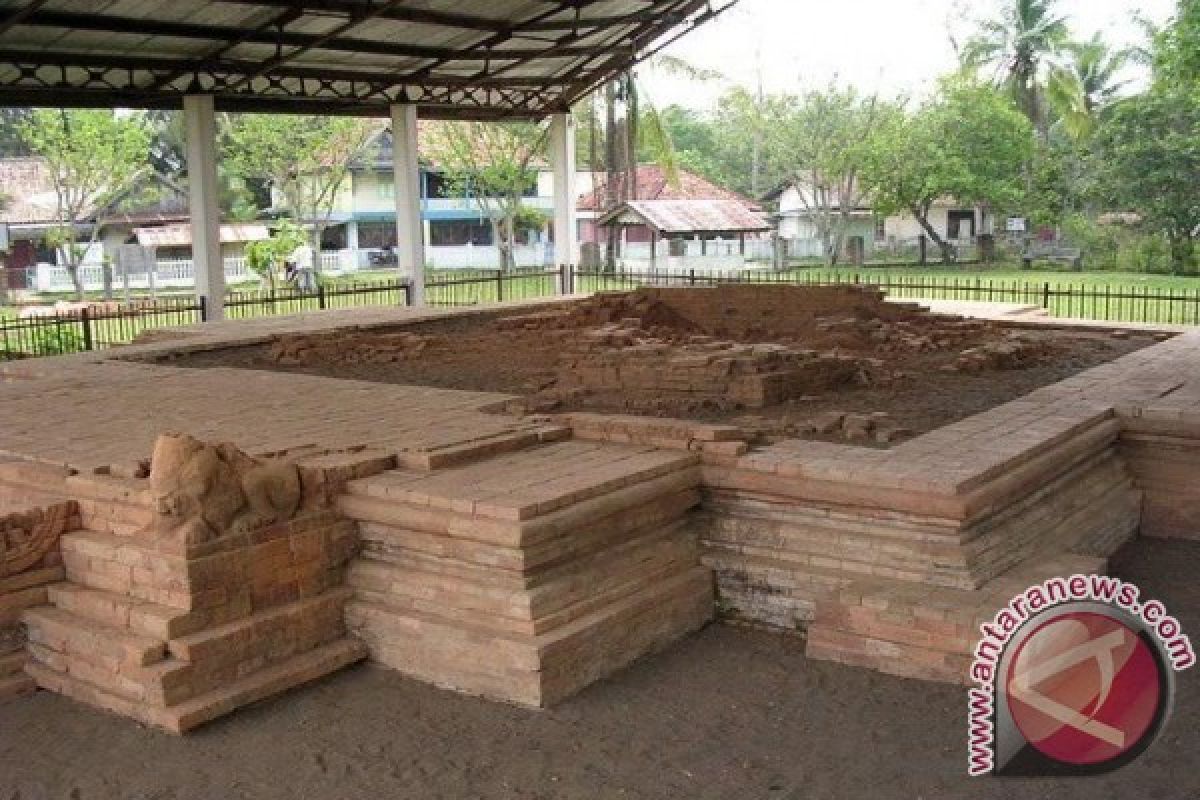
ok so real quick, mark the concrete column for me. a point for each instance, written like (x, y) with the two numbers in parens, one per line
(410, 241)
(562, 158)
(200, 129)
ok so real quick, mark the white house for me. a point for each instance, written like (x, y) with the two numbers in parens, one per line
(798, 223)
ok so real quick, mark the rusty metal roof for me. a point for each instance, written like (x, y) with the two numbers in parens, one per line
(454, 58)
(181, 235)
(689, 216)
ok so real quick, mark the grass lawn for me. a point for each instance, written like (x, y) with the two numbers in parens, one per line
(1012, 276)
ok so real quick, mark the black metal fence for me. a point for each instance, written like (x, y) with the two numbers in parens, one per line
(1098, 302)
(99, 326)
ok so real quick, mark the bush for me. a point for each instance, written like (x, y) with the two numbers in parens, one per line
(1117, 246)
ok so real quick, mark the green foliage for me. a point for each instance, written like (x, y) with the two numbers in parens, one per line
(55, 340)
(494, 165)
(969, 142)
(1017, 47)
(94, 157)
(306, 159)
(1150, 143)
(264, 258)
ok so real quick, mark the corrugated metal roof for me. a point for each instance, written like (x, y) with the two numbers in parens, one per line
(690, 216)
(454, 58)
(181, 235)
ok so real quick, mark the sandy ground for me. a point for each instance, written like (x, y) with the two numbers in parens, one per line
(464, 353)
(727, 714)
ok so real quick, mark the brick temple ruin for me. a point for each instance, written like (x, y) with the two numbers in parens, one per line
(177, 543)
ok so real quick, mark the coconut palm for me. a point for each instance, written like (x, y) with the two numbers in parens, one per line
(1087, 84)
(1020, 46)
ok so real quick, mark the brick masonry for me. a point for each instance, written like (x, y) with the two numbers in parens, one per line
(499, 556)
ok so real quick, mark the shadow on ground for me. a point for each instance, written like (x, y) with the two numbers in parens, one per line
(727, 714)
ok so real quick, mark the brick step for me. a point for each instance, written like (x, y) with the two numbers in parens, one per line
(74, 636)
(123, 564)
(903, 660)
(265, 635)
(523, 547)
(535, 670)
(122, 611)
(460, 454)
(590, 587)
(925, 632)
(525, 485)
(275, 679)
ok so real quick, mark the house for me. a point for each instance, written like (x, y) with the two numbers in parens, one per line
(653, 184)
(363, 217)
(717, 228)
(799, 223)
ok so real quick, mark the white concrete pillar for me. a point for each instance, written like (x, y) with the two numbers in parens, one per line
(562, 159)
(200, 129)
(410, 244)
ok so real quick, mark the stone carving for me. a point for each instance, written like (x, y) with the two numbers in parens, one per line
(29, 539)
(202, 492)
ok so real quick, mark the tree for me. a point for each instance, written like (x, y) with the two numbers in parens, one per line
(1150, 143)
(305, 159)
(93, 157)
(968, 143)
(1018, 46)
(1080, 90)
(495, 165)
(820, 142)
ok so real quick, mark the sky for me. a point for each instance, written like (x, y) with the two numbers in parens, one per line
(896, 47)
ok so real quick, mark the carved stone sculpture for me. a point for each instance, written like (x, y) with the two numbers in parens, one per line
(203, 492)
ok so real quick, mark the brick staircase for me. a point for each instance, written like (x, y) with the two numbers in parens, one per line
(175, 636)
(527, 577)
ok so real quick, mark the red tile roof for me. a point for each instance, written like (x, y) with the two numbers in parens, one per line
(652, 184)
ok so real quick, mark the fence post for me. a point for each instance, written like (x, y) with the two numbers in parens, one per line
(320, 297)
(203, 307)
(1046, 295)
(500, 286)
(692, 276)
(86, 318)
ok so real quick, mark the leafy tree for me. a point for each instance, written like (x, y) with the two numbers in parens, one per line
(12, 143)
(821, 141)
(1150, 143)
(305, 159)
(495, 165)
(93, 157)
(1017, 47)
(264, 258)
(968, 143)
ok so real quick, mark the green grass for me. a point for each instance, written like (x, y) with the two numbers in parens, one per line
(1109, 296)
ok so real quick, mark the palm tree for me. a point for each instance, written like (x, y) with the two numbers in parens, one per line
(632, 123)
(1087, 84)
(1019, 46)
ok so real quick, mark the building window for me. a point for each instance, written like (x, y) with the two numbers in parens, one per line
(880, 229)
(456, 233)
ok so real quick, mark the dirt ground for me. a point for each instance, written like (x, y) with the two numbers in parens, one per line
(914, 375)
(726, 714)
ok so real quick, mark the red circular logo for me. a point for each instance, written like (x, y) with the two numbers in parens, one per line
(1084, 688)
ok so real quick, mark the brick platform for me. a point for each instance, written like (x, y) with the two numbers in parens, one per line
(501, 556)
(526, 577)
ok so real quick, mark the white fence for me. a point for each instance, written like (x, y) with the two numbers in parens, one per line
(180, 273)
